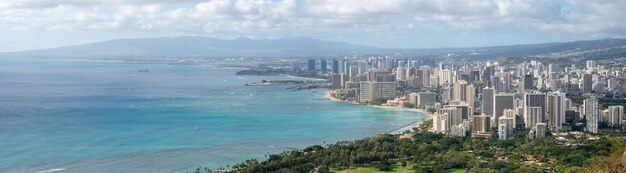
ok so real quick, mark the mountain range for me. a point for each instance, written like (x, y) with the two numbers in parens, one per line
(196, 47)
(173, 47)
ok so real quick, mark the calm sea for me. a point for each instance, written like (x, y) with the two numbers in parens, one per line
(87, 116)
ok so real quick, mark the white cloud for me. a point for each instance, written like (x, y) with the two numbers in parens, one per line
(327, 18)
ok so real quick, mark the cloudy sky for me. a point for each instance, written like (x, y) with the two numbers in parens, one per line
(34, 24)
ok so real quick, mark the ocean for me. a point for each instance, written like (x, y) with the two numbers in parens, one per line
(98, 116)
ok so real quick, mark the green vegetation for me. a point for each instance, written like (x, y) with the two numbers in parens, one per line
(310, 75)
(606, 102)
(430, 152)
(395, 168)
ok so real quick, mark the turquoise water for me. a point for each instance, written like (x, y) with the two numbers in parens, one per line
(82, 116)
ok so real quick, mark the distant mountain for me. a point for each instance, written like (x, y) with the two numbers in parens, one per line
(169, 47)
(607, 48)
(197, 47)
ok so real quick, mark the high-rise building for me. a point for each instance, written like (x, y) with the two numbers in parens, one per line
(338, 80)
(470, 95)
(446, 77)
(460, 129)
(346, 67)
(335, 66)
(591, 64)
(555, 110)
(353, 71)
(496, 84)
(474, 76)
(401, 73)
(488, 72)
(536, 100)
(552, 69)
(554, 84)
(505, 128)
(460, 88)
(592, 114)
(440, 123)
(540, 130)
(362, 67)
(527, 83)
(402, 63)
(505, 81)
(425, 75)
(341, 66)
(510, 113)
(587, 83)
(465, 111)
(426, 99)
(532, 116)
(379, 76)
(323, 66)
(613, 84)
(616, 115)
(311, 65)
(454, 115)
(376, 92)
(487, 101)
(482, 123)
(502, 102)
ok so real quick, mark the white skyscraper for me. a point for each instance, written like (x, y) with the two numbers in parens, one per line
(616, 115)
(591, 64)
(374, 92)
(540, 130)
(510, 113)
(532, 116)
(440, 123)
(505, 128)
(446, 77)
(556, 110)
(592, 114)
(460, 88)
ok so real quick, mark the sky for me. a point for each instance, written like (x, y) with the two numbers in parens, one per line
(37, 24)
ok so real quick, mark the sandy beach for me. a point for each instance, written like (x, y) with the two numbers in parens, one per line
(327, 95)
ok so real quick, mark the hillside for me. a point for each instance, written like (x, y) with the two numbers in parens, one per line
(196, 47)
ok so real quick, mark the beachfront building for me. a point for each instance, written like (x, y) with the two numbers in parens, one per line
(338, 80)
(426, 99)
(376, 92)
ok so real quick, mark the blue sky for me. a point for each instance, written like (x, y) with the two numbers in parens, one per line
(35, 24)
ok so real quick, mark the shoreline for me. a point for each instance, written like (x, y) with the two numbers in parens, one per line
(402, 135)
(329, 97)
